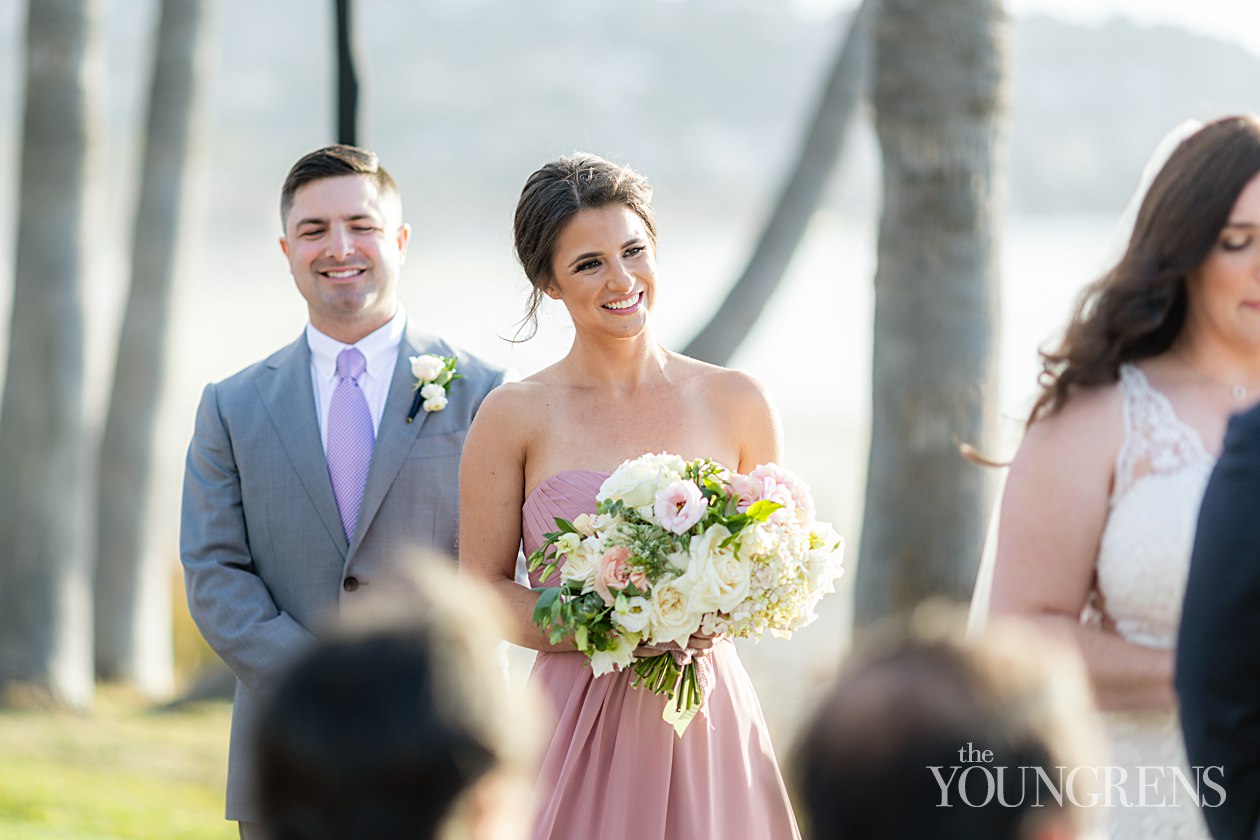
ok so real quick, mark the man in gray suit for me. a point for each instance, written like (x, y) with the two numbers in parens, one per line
(310, 472)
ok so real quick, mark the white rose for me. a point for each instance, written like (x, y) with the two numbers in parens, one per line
(436, 404)
(631, 614)
(672, 619)
(433, 391)
(680, 561)
(580, 564)
(722, 578)
(427, 367)
(603, 524)
(568, 542)
(636, 482)
(619, 656)
(767, 577)
(756, 539)
(825, 563)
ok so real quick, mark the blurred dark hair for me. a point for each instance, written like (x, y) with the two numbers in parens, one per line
(554, 194)
(381, 729)
(862, 765)
(363, 721)
(333, 162)
(1137, 309)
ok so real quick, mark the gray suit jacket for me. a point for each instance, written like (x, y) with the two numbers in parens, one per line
(266, 561)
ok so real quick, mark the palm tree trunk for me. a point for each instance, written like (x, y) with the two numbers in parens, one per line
(133, 608)
(940, 107)
(45, 604)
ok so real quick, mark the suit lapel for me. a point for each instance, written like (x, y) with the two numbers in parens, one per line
(394, 437)
(290, 402)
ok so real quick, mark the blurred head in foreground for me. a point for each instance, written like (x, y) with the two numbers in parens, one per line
(398, 725)
(920, 729)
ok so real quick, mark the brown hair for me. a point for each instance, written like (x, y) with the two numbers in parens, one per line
(333, 162)
(553, 195)
(1137, 309)
(386, 726)
(909, 697)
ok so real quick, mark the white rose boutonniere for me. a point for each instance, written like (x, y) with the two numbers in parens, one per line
(434, 374)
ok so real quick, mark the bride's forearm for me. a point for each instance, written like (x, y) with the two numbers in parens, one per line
(1126, 676)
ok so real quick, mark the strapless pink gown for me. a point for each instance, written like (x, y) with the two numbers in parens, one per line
(614, 769)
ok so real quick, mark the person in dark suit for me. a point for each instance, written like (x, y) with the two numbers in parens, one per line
(1217, 674)
(309, 471)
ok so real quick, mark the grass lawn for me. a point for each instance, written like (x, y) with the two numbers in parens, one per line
(122, 771)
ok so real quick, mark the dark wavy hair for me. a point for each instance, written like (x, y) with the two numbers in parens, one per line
(1137, 309)
(554, 194)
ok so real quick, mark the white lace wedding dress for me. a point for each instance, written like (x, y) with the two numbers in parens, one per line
(1143, 559)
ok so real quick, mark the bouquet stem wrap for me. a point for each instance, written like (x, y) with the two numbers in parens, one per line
(684, 675)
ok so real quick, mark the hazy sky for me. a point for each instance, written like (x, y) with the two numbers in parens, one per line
(1234, 20)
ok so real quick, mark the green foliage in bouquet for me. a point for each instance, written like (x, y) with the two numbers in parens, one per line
(670, 552)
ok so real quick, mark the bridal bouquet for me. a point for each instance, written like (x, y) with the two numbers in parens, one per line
(682, 547)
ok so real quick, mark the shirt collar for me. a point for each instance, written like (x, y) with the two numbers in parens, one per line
(379, 348)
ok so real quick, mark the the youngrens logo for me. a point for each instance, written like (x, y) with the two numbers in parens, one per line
(976, 781)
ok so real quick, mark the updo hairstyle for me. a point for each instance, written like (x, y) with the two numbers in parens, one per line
(553, 195)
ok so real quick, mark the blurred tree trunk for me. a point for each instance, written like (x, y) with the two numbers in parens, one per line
(133, 602)
(45, 602)
(940, 93)
(347, 78)
(718, 340)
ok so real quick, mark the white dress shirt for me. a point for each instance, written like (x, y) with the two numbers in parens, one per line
(379, 348)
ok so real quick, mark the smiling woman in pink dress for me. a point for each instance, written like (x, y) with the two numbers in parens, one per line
(540, 448)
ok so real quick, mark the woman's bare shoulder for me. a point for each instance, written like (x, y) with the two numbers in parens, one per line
(740, 404)
(721, 382)
(740, 394)
(1100, 405)
(1088, 428)
(513, 406)
(511, 395)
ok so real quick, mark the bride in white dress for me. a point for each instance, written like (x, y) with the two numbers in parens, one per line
(1100, 506)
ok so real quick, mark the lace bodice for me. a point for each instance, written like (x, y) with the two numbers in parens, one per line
(1161, 471)
(1155, 440)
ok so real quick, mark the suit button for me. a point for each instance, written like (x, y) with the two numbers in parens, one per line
(350, 584)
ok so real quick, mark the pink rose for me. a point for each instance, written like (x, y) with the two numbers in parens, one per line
(746, 488)
(802, 498)
(612, 572)
(755, 488)
(679, 506)
(640, 580)
(773, 483)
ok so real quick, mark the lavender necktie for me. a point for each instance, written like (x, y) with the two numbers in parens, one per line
(350, 438)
